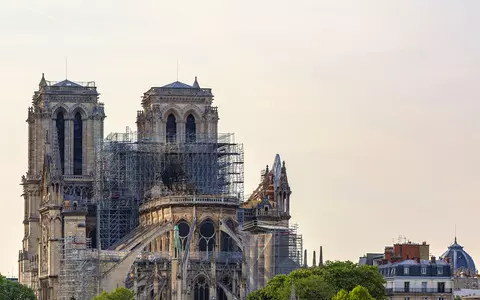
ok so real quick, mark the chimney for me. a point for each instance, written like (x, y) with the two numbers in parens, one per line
(417, 259)
(433, 259)
(314, 264)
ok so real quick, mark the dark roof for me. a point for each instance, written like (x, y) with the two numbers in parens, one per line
(178, 85)
(67, 83)
(459, 257)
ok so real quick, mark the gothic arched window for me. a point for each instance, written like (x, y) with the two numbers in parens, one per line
(77, 144)
(60, 124)
(207, 236)
(171, 128)
(190, 129)
(201, 291)
(183, 230)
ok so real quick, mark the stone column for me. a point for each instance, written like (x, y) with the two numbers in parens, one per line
(254, 263)
(161, 131)
(88, 147)
(261, 260)
(180, 131)
(269, 256)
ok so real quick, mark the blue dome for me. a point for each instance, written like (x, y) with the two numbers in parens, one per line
(461, 260)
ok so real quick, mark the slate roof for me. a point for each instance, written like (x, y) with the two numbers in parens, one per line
(67, 83)
(459, 257)
(178, 85)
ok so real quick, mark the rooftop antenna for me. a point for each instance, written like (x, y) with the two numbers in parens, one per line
(66, 67)
(177, 69)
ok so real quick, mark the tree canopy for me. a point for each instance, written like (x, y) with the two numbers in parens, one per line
(13, 290)
(119, 294)
(325, 282)
(358, 293)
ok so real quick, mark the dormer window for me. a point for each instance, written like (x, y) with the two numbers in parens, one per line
(424, 270)
(405, 270)
(440, 271)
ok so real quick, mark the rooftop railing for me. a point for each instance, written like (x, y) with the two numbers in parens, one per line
(82, 83)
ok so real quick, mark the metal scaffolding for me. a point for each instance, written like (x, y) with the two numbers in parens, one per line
(288, 249)
(271, 250)
(78, 278)
(131, 172)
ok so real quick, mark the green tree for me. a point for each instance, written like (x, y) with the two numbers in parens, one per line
(347, 276)
(14, 291)
(119, 294)
(358, 293)
(341, 295)
(313, 287)
(324, 282)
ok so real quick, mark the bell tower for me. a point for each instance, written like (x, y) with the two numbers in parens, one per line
(178, 113)
(65, 127)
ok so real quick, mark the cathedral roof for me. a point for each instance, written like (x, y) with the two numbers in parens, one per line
(67, 83)
(178, 85)
(460, 258)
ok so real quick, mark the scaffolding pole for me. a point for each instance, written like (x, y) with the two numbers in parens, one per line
(78, 270)
(131, 172)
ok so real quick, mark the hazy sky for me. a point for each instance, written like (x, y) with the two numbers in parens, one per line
(373, 104)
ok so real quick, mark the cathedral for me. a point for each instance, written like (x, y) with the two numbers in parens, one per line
(160, 210)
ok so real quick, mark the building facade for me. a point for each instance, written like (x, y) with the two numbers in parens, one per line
(418, 279)
(65, 122)
(159, 210)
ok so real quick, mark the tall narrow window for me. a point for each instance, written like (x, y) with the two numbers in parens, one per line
(171, 128)
(60, 124)
(201, 289)
(190, 129)
(207, 236)
(77, 144)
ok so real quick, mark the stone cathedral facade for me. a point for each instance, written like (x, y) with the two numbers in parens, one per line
(65, 123)
(177, 181)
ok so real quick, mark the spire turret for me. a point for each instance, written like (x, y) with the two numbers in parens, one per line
(43, 82)
(195, 84)
(320, 259)
(305, 258)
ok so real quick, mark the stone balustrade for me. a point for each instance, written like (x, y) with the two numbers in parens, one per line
(189, 200)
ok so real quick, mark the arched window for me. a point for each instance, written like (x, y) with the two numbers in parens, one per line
(171, 128)
(190, 129)
(60, 124)
(77, 144)
(207, 236)
(201, 291)
(183, 230)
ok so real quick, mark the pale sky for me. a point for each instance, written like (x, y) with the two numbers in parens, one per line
(373, 104)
